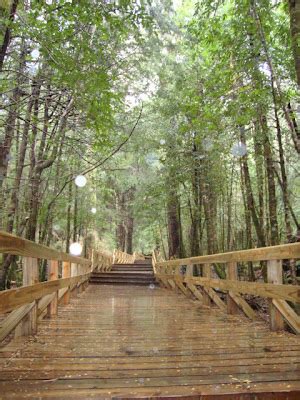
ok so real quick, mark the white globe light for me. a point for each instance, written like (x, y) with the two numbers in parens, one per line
(93, 210)
(239, 149)
(80, 181)
(75, 249)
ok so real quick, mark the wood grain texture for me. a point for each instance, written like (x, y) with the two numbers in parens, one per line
(13, 298)
(232, 274)
(268, 290)
(281, 252)
(132, 342)
(28, 325)
(290, 316)
(11, 244)
(13, 319)
(274, 272)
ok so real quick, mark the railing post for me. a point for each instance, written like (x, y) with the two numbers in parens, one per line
(274, 273)
(28, 326)
(232, 275)
(74, 272)
(189, 270)
(52, 276)
(206, 272)
(66, 273)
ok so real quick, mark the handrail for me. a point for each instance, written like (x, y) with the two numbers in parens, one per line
(15, 245)
(120, 257)
(170, 275)
(280, 252)
(37, 299)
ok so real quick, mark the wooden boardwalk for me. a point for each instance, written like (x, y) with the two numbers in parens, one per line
(131, 342)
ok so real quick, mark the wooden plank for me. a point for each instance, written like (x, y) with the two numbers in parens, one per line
(13, 298)
(15, 245)
(232, 275)
(66, 273)
(281, 252)
(44, 302)
(13, 319)
(52, 308)
(215, 298)
(238, 299)
(28, 325)
(290, 316)
(206, 272)
(282, 292)
(195, 291)
(274, 272)
(148, 344)
(171, 282)
(179, 283)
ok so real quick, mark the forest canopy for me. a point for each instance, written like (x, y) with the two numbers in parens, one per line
(178, 119)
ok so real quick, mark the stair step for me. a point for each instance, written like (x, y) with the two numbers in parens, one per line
(124, 282)
(122, 275)
(112, 276)
(129, 271)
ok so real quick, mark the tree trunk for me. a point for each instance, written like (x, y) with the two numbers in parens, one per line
(294, 8)
(129, 234)
(7, 33)
(68, 233)
(272, 201)
(250, 198)
(173, 224)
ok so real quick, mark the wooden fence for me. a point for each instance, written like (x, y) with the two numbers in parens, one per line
(123, 258)
(172, 275)
(67, 275)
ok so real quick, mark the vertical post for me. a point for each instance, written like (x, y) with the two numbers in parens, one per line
(66, 273)
(74, 273)
(232, 275)
(52, 276)
(28, 325)
(206, 272)
(275, 276)
(189, 270)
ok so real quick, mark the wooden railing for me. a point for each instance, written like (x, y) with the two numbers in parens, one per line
(123, 258)
(170, 274)
(67, 275)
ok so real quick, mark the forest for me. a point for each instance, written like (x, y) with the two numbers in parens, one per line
(141, 125)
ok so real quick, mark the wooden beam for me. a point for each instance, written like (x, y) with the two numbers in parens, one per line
(232, 275)
(13, 319)
(239, 301)
(15, 245)
(44, 302)
(52, 276)
(206, 272)
(178, 281)
(28, 326)
(66, 273)
(282, 292)
(172, 283)
(215, 298)
(274, 273)
(195, 291)
(290, 316)
(281, 252)
(13, 298)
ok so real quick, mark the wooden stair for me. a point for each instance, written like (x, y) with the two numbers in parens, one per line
(139, 273)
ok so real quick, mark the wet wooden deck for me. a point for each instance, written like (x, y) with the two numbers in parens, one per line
(131, 341)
